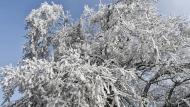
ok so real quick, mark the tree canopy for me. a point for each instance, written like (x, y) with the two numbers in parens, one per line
(123, 54)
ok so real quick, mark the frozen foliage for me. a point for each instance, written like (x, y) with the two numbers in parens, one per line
(41, 24)
(68, 83)
(122, 55)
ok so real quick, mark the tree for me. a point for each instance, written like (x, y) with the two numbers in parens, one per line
(123, 54)
(41, 25)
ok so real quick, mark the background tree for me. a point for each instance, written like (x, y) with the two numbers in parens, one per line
(41, 25)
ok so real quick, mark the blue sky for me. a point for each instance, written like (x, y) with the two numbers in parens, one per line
(175, 7)
(13, 13)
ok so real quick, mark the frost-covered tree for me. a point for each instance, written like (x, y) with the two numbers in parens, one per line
(133, 35)
(124, 54)
(41, 26)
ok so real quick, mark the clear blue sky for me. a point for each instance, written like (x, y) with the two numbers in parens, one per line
(13, 13)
